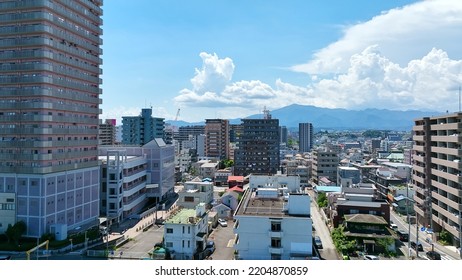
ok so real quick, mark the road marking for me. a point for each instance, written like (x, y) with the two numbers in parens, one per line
(230, 243)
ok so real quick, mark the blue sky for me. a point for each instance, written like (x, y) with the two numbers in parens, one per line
(230, 59)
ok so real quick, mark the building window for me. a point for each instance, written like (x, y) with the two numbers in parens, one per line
(275, 226)
(275, 242)
(169, 244)
(169, 230)
(188, 199)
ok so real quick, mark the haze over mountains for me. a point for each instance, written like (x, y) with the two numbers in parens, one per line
(339, 119)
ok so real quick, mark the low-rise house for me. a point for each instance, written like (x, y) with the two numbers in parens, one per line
(368, 230)
(194, 192)
(186, 232)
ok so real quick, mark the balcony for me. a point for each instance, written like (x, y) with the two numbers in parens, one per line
(275, 250)
(447, 151)
(446, 188)
(276, 234)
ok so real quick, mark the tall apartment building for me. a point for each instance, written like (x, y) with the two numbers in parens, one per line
(325, 163)
(107, 132)
(258, 148)
(49, 112)
(217, 138)
(305, 137)
(283, 133)
(184, 133)
(235, 132)
(140, 130)
(436, 175)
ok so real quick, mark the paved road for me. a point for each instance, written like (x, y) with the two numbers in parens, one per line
(328, 252)
(446, 253)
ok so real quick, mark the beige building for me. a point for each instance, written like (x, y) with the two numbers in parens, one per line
(436, 174)
(217, 138)
(325, 163)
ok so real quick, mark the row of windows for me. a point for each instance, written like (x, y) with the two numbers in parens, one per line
(7, 206)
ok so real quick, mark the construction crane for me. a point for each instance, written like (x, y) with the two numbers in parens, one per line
(177, 114)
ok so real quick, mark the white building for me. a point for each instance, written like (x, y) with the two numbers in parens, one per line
(195, 192)
(292, 183)
(186, 232)
(207, 170)
(271, 224)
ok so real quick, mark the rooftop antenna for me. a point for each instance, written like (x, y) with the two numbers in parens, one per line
(266, 114)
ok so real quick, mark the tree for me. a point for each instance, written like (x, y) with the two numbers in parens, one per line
(14, 233)
(322, 200)
(445, 237)
(341, 242)
(385, 244)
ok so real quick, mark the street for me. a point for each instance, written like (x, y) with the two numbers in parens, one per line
(446, 254)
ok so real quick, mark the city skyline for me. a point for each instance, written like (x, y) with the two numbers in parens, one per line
(227, 60)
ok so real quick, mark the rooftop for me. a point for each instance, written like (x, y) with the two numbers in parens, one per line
(183, 216)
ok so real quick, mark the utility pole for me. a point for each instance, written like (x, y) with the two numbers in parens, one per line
(408, 222)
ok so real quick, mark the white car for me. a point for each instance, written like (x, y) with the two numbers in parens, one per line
(223, 222)
(371, 257)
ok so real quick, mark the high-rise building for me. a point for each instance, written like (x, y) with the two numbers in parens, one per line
(107, 132)
(283, 133)
(305, 136)
(140, 130)
(217, 138)
(258, 148)
(437, 177)
(49, 113)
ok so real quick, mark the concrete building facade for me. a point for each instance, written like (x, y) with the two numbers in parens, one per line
(436, 173)
(49, 112)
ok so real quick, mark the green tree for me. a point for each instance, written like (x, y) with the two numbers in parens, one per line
(445, 237)
(341, 242)
(14, 233)
(322, 200)
(385, 244)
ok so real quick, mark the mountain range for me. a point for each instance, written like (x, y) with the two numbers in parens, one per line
(339, 119)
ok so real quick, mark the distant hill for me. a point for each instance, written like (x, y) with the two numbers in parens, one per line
(342, 119)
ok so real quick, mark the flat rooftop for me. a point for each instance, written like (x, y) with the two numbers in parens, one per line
(182, 217)
(261, 206)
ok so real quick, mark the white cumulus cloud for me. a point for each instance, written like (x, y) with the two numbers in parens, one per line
(403, 34)
(401, 59)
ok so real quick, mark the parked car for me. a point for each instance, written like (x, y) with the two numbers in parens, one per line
(371, 257)
(417, 247)
(209, 248)
(432, 255)
(403, 236)
(318, 242)
(222, 222)
(394, 227)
